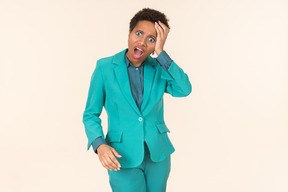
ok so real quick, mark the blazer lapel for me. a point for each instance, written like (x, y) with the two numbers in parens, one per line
(121, 74)
(149, 73)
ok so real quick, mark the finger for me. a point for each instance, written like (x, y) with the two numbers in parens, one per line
(113, 164)
(115, 161)
(165, 28)
(157, 30)
(110, 162)
(116, 153)
(161, 31)
(105, 164)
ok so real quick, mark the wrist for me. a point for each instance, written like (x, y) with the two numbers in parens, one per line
(158, 51)
(100, 146)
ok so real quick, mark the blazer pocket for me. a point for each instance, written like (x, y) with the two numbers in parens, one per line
(115, 136)
(162, 128)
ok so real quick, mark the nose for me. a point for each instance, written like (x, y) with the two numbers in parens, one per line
(142, 42)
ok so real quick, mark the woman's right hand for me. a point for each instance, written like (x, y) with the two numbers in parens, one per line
(107, 158)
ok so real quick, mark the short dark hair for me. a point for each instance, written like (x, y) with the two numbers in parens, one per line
(148, 15)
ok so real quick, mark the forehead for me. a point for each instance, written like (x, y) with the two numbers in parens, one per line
(146, 26)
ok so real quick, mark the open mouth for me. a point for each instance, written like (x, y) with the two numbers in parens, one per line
(138, 52)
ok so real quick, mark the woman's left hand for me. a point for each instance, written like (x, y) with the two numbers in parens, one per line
(162, 33)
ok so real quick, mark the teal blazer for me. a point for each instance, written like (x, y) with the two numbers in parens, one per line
(129, 127)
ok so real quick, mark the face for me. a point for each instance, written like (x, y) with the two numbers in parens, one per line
(141, 42)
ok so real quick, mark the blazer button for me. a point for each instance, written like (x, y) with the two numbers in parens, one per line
(140, 119)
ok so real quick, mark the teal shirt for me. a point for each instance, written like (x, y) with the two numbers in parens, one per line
(136, 75)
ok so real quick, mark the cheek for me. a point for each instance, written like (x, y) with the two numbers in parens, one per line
(151, 47)
(132, 38)
(131, 41)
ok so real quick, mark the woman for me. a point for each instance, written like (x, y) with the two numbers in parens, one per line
(130, 85)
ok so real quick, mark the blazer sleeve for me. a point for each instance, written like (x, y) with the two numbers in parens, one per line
(177, 82)
(94, 106)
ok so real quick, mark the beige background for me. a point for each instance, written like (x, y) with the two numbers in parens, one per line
(230, 134)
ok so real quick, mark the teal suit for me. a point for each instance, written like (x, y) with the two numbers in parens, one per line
(128, 126)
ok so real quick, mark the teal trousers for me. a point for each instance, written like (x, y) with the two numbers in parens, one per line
(149, 176)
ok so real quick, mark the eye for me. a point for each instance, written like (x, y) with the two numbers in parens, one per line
(151, 39)
(138, 33)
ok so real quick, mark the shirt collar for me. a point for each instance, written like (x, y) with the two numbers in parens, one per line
(127, 61)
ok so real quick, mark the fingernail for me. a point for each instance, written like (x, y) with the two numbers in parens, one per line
(119, 168)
